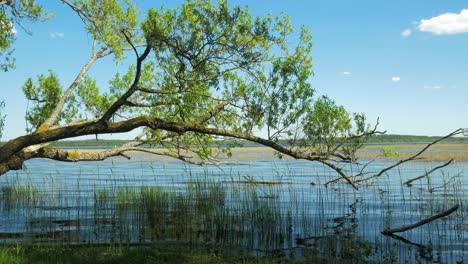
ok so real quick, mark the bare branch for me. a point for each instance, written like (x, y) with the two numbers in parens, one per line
(178, 156)
(340, 172)
(361, 172)
(130, 43)
(52, 119)
(82, 155)
(134, 87)
(420, 223)
(409, 182)
(413, 157)
(374, 131)
(83, 16)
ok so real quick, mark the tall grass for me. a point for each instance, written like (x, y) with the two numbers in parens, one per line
(19, 194)
(237, 216)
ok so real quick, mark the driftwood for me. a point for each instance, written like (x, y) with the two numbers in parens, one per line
(390, 232)
(409, 182)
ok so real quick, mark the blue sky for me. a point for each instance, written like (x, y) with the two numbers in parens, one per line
(403, 61)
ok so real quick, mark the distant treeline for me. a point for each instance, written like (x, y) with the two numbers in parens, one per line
(377, 139)
(413, 139)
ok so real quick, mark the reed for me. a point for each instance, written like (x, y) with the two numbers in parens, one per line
(20, 194)
(290, 221)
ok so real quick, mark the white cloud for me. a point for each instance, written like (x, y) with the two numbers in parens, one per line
(346, 73)
(446, 24)
(396, 79)
(56, 35)
(406, 33)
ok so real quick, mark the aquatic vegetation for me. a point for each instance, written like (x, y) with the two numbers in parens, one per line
(19, 194)
(295, 221)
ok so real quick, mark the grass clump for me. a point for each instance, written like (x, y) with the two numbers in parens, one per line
(124, 255)
(20, 194)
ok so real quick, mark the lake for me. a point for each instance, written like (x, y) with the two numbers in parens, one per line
(261, 207)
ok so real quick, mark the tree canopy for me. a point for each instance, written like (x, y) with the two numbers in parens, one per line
(15, 12)
(202, 72)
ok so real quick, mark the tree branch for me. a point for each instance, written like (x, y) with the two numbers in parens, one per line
(340, 172)
(136, 104)
(134, 87)
(91, 128)
(154, 91)
(52, 119)
(413, 157)
(420, 223)
(409, 182)
(130, 43)
(216, 110)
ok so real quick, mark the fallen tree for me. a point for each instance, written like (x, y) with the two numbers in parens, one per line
(203, 72)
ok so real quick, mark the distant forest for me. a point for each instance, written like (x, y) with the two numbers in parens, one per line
(377, 139)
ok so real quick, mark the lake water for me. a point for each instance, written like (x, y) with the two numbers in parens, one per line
(266, 207)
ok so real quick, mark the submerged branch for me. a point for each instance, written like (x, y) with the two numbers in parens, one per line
(420, 223)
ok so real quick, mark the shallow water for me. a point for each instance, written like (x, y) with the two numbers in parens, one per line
(76, 203)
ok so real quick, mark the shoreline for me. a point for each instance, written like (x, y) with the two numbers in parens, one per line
(441, 152)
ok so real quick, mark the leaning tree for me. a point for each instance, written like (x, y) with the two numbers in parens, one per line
(202, 73)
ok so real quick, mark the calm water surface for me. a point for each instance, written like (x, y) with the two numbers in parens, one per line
(310, 214)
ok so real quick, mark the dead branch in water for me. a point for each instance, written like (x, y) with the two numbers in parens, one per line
(389, 232)
(409, 182)
(413, 157)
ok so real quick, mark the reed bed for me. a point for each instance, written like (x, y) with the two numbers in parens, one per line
(271, 212)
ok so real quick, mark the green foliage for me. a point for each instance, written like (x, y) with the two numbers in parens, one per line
(7, 36)
(106, 19)
(204, 55)
(11, 13)
(92, 101)
(329, 127)
(44, 96)
(390, 152)
(207, 53)
(327, 120)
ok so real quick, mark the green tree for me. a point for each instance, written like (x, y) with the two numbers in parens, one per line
(13, 12)
(202, 72)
